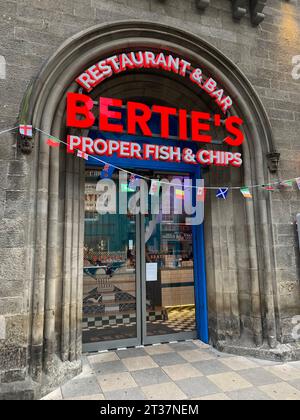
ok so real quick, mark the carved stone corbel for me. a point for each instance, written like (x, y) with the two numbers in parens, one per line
(202, 4)
(239, 9)
(256, 11)
(25, 143)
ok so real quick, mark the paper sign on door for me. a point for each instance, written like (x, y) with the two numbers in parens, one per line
(151, 271)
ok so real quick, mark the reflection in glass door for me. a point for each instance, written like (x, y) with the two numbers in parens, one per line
(138, 276)
(169, 274)
(110, 298)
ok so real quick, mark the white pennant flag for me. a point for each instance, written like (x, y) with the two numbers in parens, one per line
(155, 185)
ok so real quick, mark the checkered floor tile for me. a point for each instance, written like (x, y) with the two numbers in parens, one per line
(187, 370)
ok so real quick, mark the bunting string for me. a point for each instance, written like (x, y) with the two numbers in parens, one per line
(8, 130)
(222, 191)
(149, 179)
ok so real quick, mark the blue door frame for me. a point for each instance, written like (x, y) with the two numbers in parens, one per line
(198, 231)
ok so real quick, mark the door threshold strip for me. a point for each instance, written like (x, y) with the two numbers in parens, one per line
(146, 345)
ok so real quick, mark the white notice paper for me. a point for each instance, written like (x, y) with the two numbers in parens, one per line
(151, 271)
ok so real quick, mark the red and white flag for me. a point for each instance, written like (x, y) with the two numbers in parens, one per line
(154, 188)
(268, 187)
(52, 143)
(201, 194)
(25, 130)
(82, 155)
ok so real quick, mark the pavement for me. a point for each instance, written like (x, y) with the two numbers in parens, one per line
(187, 370)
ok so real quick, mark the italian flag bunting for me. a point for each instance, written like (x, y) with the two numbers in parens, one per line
(288, 183)
(52, 143)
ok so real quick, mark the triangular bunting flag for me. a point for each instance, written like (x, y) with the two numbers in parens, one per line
(179, 194)
(26, 130)
(222, 193)
(107, 171)
(246, 192)
(286, 184)
(298, 182)
(201, 194)
(154, 188)
(52, 143)
(268, 187)
(134, 182)
(82, 155)
(126, 188)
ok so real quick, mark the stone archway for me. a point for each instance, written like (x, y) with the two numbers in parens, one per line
(241, 313)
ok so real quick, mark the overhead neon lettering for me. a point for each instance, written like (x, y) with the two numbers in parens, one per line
(123, 62)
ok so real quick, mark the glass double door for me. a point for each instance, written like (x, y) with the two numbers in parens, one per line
(138, 276)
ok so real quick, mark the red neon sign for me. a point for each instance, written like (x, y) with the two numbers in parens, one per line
(80, 115)
(116, 64)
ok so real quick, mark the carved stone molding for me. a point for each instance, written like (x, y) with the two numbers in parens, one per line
(288, 286)
(25, 144)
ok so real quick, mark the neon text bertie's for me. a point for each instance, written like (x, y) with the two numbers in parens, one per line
(80, 115)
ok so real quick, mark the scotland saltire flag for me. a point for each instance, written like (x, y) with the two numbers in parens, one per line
(107, 171)
(222, 193)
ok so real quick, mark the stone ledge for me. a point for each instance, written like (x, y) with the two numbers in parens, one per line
(282, 352)
(23, 390)
(60, 373)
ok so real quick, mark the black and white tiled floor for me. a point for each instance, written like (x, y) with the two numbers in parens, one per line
(184, 370)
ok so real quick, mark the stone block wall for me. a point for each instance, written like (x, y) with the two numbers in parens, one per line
(32, 30)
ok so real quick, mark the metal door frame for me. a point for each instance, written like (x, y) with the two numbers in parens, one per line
(129, 342)
(200, 288)
(155, 338)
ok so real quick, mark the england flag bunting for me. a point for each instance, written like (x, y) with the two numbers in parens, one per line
(26, 130)
(154, 188)
(201, 194)
(82, 155)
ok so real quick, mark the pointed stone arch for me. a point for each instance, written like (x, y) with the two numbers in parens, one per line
(56, 227)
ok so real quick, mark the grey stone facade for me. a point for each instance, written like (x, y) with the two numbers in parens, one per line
(253, 265)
